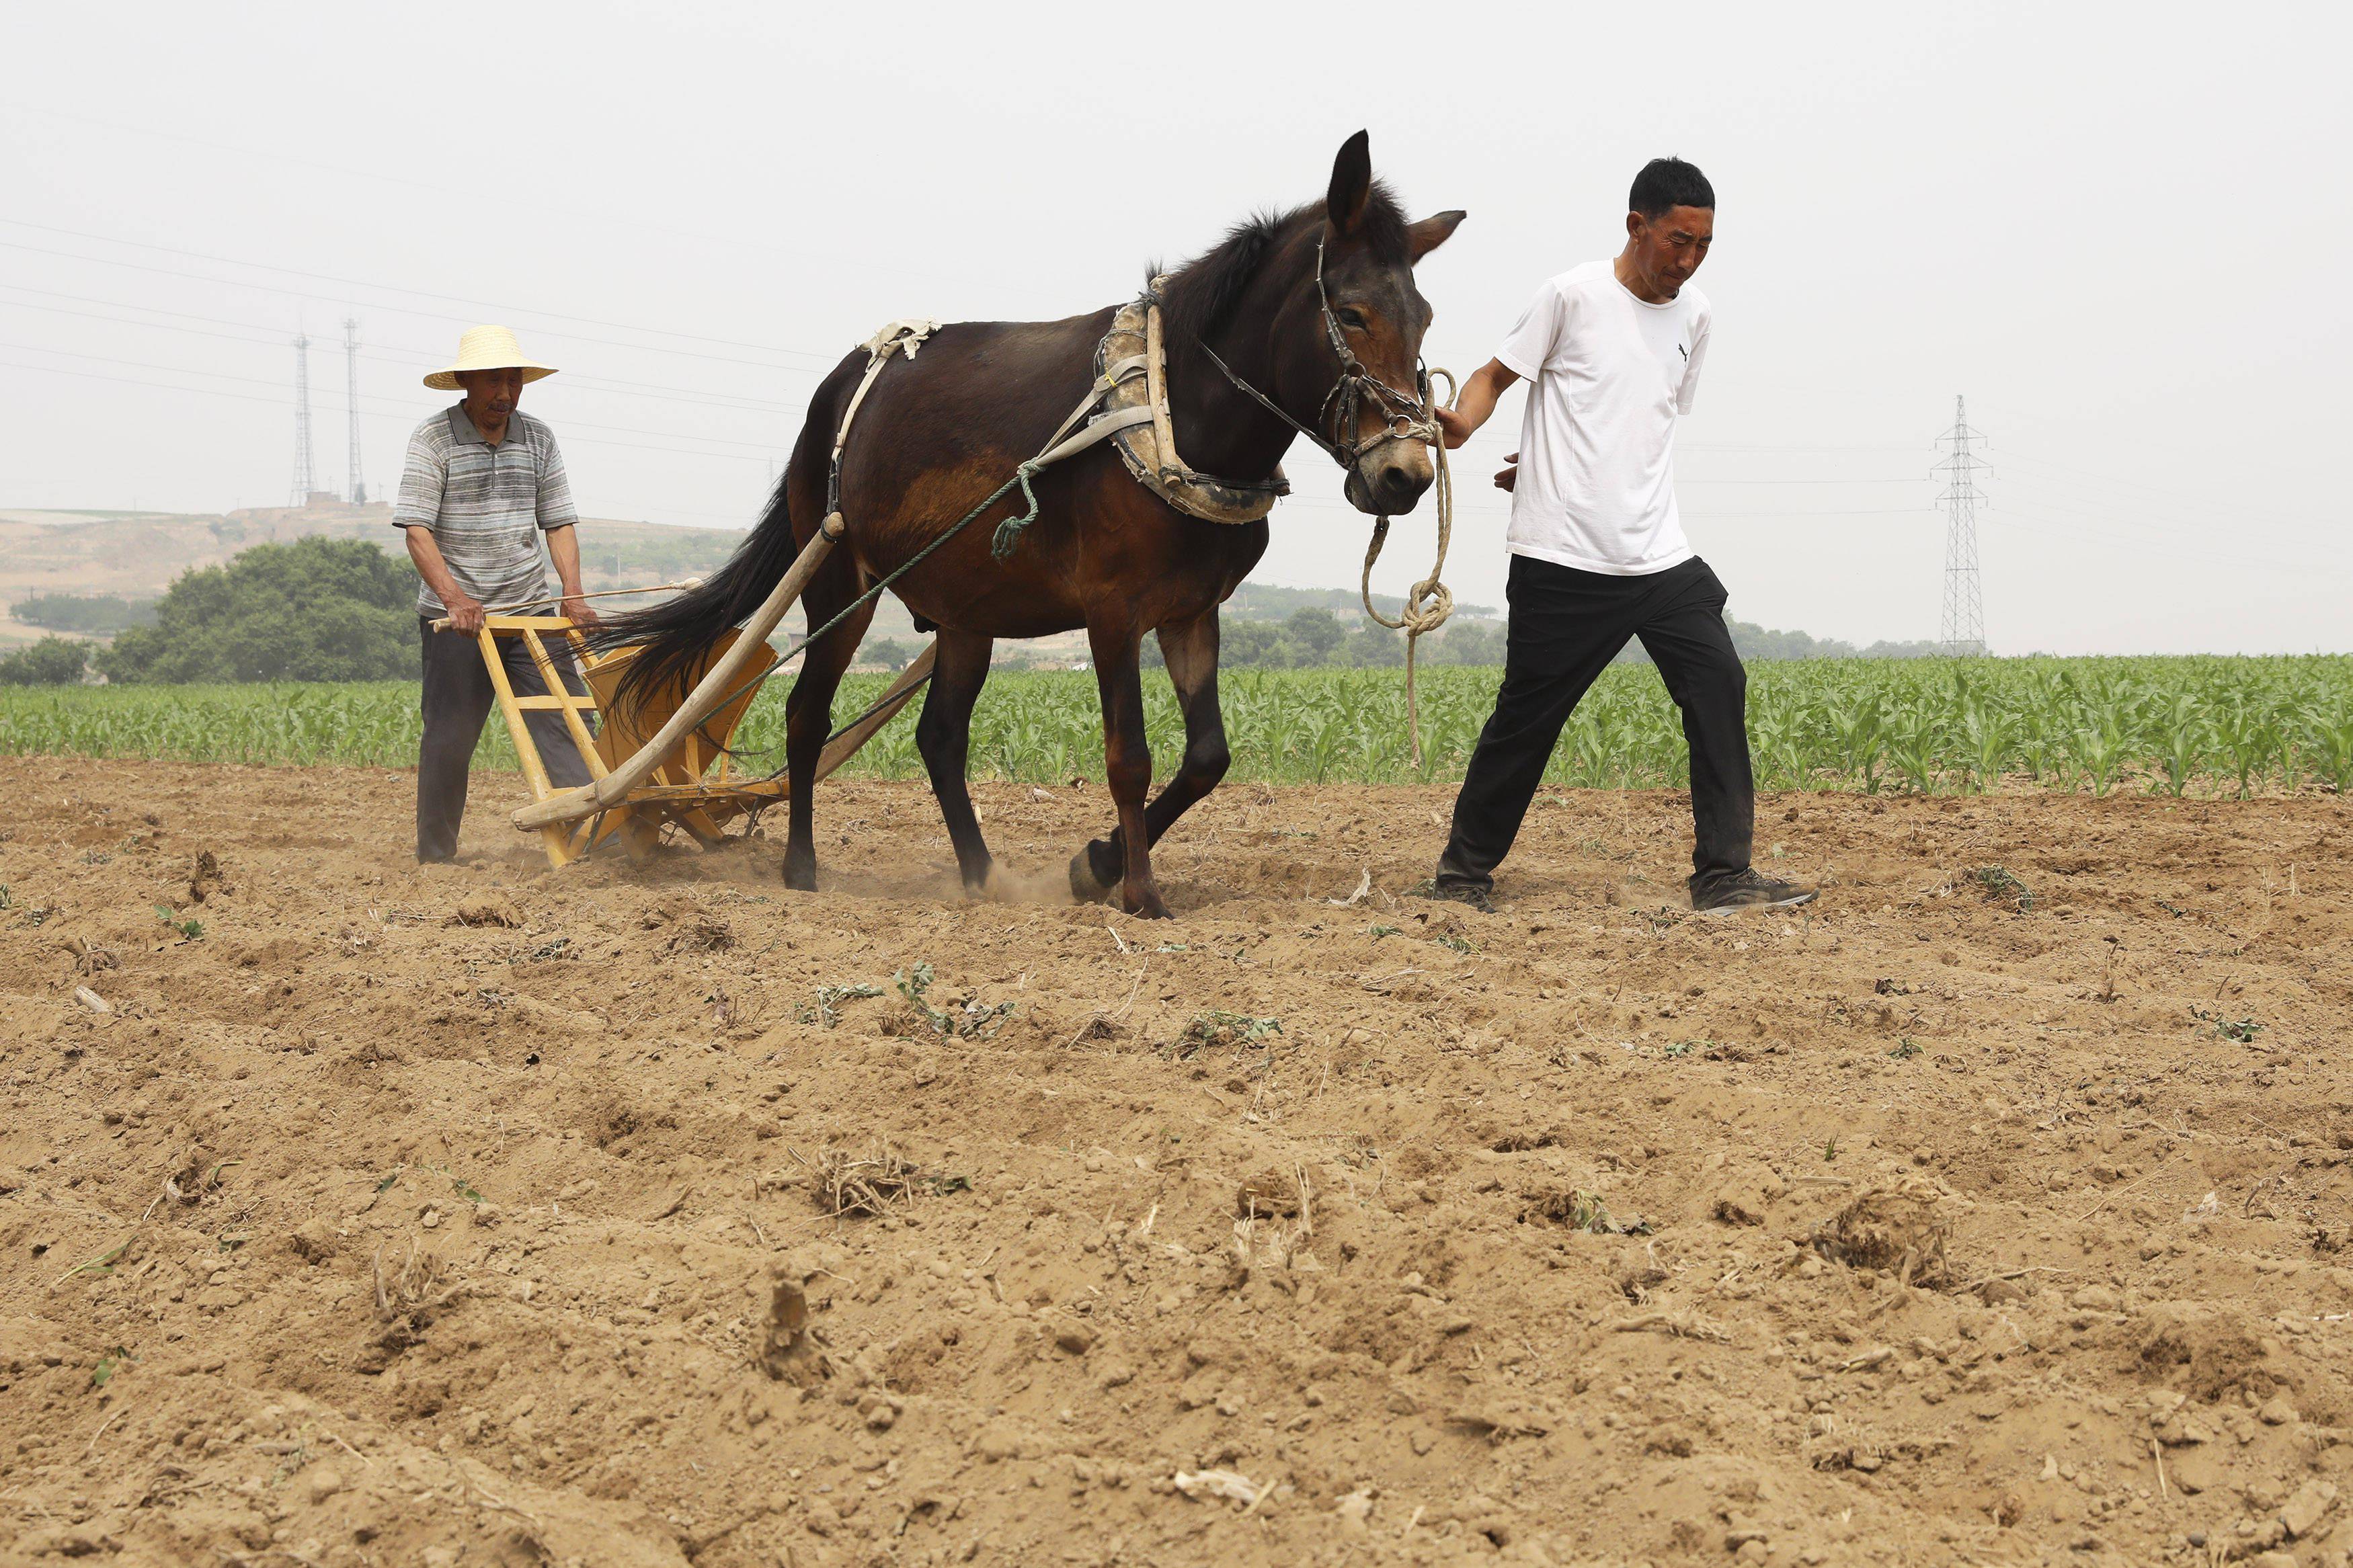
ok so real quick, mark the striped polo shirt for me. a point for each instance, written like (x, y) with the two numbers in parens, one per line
(485, 506)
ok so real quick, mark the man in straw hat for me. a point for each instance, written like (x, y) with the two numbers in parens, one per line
(482, 484)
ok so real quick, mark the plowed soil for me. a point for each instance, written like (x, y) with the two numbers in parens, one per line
(364, 1214)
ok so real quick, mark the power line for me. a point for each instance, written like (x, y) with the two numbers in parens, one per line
(823, 360)
(1963, 632)
(569, 212)
(405, 416)
(403, 357)
(432, 315)
(401, 408)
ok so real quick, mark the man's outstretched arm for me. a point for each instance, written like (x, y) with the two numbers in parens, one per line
(1475, 406)
(1476, 403)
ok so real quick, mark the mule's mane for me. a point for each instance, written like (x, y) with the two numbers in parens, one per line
(1204, 291)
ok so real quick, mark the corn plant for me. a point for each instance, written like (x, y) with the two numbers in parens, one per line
(2180, 726)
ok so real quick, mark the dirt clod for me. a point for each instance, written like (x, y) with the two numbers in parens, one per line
(313, 1241)
(1269, 1194)
(2208, 1350)
(487, 910)
(784, 1325)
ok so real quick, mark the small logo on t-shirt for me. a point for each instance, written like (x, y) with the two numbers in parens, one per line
(1683, 350)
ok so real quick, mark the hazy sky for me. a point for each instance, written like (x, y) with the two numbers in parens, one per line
(2120, 231)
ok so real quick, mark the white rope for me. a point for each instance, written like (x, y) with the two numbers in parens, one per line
(1429, 600)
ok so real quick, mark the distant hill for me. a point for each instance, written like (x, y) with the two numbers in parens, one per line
(118, 563)
(49, 556)
(1265, 601)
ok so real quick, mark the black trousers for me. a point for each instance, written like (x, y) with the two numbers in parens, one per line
(1566, 626)
(457, 699)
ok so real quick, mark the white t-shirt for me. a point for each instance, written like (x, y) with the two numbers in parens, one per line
(1609, 376)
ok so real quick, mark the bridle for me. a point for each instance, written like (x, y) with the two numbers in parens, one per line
(1429, 603)
(1408, 418)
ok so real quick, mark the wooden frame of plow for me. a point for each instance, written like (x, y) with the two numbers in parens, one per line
(693, 782)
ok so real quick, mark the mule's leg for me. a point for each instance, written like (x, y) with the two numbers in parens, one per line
(1127, 766)
(808, 707)
(944, 735)
(1191, 650)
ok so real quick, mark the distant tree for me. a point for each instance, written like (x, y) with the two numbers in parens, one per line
(1252, 645)
(1372, 646)
(1316, 633)
(890, 653)
(1262, 602)
(316, 609)
(52, 661)
(1467, 642)
(103, 613)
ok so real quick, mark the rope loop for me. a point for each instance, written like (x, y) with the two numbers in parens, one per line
(1002, 544)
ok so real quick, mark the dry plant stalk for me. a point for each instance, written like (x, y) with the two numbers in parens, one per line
(1677, 1325)
(846, 1185)
(1273, 1195)
(418, 1287)
(1900, 1227)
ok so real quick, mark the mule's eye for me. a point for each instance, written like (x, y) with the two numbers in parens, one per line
(1351, 317)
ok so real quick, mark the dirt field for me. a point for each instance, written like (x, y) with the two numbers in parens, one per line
(1931, 1228)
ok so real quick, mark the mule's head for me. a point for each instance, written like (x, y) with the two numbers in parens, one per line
(1369, 252)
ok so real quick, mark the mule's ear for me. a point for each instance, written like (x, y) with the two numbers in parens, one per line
(1352, 183)
(1422, 238)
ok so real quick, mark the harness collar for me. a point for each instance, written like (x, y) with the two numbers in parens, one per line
(1130, 368)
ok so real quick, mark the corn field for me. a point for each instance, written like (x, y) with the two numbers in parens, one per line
(2205, 726)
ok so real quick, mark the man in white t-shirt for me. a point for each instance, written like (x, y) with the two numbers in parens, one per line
(1613, 350)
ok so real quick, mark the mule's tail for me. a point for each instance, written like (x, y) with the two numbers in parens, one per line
(676, 634)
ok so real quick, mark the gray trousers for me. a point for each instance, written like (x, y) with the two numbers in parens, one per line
(457, 699)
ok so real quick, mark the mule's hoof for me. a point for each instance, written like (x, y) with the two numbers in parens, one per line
(1085, 886)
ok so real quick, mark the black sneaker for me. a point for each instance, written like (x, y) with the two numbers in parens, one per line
(1478, 897)
(1750, 890)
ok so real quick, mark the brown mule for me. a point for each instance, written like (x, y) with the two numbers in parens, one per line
(1277, 301)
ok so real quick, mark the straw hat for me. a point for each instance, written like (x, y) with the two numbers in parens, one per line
(488, 348)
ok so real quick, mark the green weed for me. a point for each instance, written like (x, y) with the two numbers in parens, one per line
(1220, 1029)
(974, 1021)
(1999, 883)
(825, 1007)
(2242, 1030)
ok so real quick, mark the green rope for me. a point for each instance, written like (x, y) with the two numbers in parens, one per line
(1008, 532)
